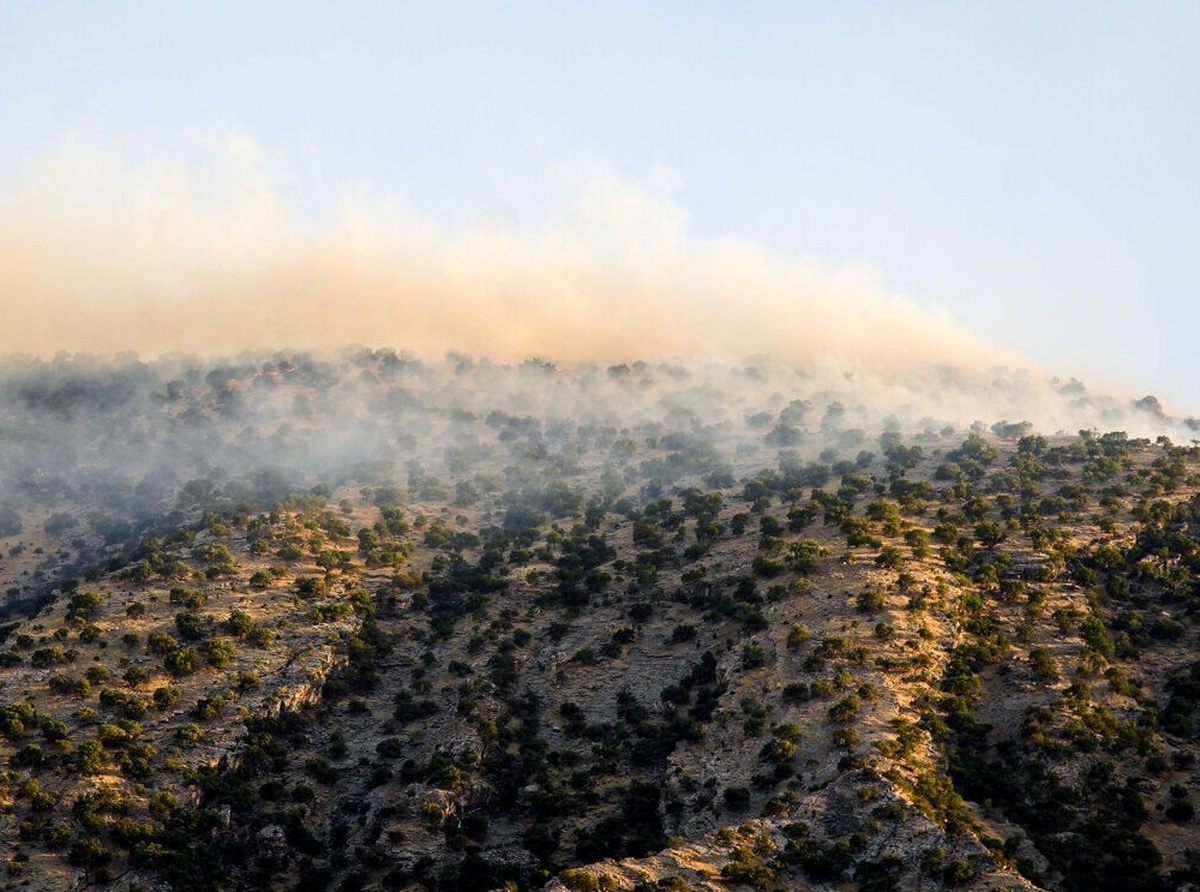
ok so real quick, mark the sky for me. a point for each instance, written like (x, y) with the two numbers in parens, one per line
(1025, 176)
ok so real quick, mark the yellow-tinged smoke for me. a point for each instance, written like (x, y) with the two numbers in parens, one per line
(99, 258)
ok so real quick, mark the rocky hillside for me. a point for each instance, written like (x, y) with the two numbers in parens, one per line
(376, 624)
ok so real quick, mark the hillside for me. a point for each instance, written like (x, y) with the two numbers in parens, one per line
(372, 623)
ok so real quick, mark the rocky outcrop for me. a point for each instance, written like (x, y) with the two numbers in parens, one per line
(856, 829)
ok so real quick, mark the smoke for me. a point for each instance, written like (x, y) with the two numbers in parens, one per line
(722, 359)
(209, 258)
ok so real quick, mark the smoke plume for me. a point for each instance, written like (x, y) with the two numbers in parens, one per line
(210, 259)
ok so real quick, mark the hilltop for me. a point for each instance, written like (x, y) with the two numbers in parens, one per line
(373, 623)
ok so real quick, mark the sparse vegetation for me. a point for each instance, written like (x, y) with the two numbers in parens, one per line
(493, 644)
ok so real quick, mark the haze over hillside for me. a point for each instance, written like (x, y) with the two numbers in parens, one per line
(210, 259)
(362, 620)
(974, 159)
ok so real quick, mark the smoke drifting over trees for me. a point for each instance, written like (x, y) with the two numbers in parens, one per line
(115, 445)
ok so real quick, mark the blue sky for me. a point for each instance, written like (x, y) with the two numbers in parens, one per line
(1032, 168)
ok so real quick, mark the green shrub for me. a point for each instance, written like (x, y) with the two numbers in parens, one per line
(181, 662)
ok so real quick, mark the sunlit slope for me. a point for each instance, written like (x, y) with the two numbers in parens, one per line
(377, 623)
